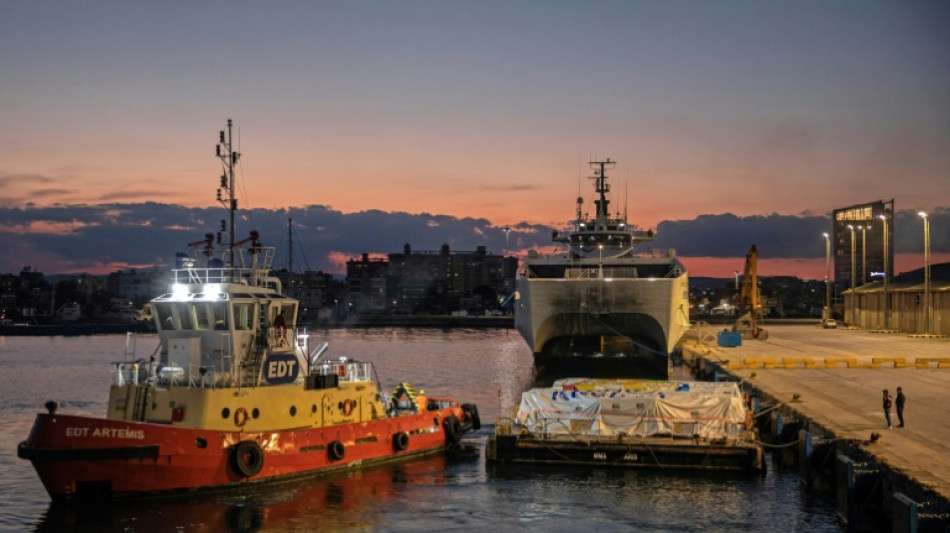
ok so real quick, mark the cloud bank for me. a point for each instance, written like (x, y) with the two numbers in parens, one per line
(108, 237)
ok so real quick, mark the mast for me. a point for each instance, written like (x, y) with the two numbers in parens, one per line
(290, 247)
(229, 158)
(602, 188)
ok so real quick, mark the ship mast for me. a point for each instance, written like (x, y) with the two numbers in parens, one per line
(290, 247)
(229, 158)
(601, 187)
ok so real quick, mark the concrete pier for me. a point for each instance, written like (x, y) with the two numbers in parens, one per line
(830, 382)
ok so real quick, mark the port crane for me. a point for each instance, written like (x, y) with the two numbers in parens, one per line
(748, 302)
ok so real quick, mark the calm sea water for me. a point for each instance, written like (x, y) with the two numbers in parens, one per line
(454, 492)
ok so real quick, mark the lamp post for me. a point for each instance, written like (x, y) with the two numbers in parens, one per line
(887, 303)
(736, 272)
(827, 312)
(928, 326)
(853, 300)
(864, 255)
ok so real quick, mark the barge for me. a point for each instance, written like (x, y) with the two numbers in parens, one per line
(631, 423)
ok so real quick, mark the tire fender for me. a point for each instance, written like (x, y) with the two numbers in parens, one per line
(247, 458)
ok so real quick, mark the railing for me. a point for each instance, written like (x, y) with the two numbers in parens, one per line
(129, 373)
(251, 272)
(136, 373)
(351, 371)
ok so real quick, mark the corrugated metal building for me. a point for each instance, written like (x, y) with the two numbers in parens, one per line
(902, 303)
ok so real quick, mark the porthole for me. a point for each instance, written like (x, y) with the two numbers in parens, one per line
(225, 413)
(313, 408)
(256, 412)
(293, 410)
(201, 442)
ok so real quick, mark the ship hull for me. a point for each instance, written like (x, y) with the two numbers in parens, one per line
(77, 456)
(620, 326)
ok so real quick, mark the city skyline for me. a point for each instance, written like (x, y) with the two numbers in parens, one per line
(483, 111)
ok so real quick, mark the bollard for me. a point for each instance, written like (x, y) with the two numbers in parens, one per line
(805, 452)
(776, 424)
(844, 483)
(903, 514)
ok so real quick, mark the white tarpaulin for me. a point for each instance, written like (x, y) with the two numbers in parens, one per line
(634, 408)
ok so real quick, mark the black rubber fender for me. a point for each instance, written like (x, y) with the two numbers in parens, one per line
(401, 441)
(336, 450)
(453, 429)
(471, 415)
(247, 458)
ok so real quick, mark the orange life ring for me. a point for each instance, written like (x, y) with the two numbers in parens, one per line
(240, 417)
(348, 405)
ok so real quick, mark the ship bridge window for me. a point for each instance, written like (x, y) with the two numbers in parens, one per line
(202, 320)
(166, 319)
(290, 313)
(186, 318)
(243, 314)
(219, 314)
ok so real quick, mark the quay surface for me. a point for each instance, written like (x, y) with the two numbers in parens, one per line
(834, 378)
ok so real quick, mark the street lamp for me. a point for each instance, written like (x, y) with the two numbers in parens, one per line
(850, 227)
(853, 299)
(927, 324)
(864, 254)
(887, 303)
(827, 313)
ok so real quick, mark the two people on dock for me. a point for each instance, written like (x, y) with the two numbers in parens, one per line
(899, 403)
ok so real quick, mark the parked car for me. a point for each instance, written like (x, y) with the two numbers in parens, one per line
(829, 323)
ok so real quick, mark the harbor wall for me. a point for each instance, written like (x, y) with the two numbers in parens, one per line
(872, 492)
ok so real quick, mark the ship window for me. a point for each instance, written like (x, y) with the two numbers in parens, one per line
(185, 315)
(290, 314)
(219, 313)
(242, 316)
(165, 319)
(202, 321)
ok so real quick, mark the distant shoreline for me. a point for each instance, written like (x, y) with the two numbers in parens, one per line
(51, 330)
(416, 321)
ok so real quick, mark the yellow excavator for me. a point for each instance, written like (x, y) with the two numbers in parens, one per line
(748, 303)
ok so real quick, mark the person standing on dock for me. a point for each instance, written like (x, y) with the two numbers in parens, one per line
(899, 404)
(887, 408)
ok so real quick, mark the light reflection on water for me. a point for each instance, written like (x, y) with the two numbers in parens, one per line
(457, 491)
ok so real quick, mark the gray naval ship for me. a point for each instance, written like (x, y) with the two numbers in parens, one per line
(602, 308)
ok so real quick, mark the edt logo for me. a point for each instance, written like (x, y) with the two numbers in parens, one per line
(281, 368)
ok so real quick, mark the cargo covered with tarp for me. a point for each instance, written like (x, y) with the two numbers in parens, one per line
(606, 408)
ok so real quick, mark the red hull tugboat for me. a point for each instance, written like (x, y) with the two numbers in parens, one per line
(233, 394)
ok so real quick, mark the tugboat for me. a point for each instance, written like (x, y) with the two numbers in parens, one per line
(234, 395)
(602, 305)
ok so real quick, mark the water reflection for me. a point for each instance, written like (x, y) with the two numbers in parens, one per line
(353, 500)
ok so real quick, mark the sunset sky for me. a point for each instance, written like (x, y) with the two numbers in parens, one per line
(484, 110)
